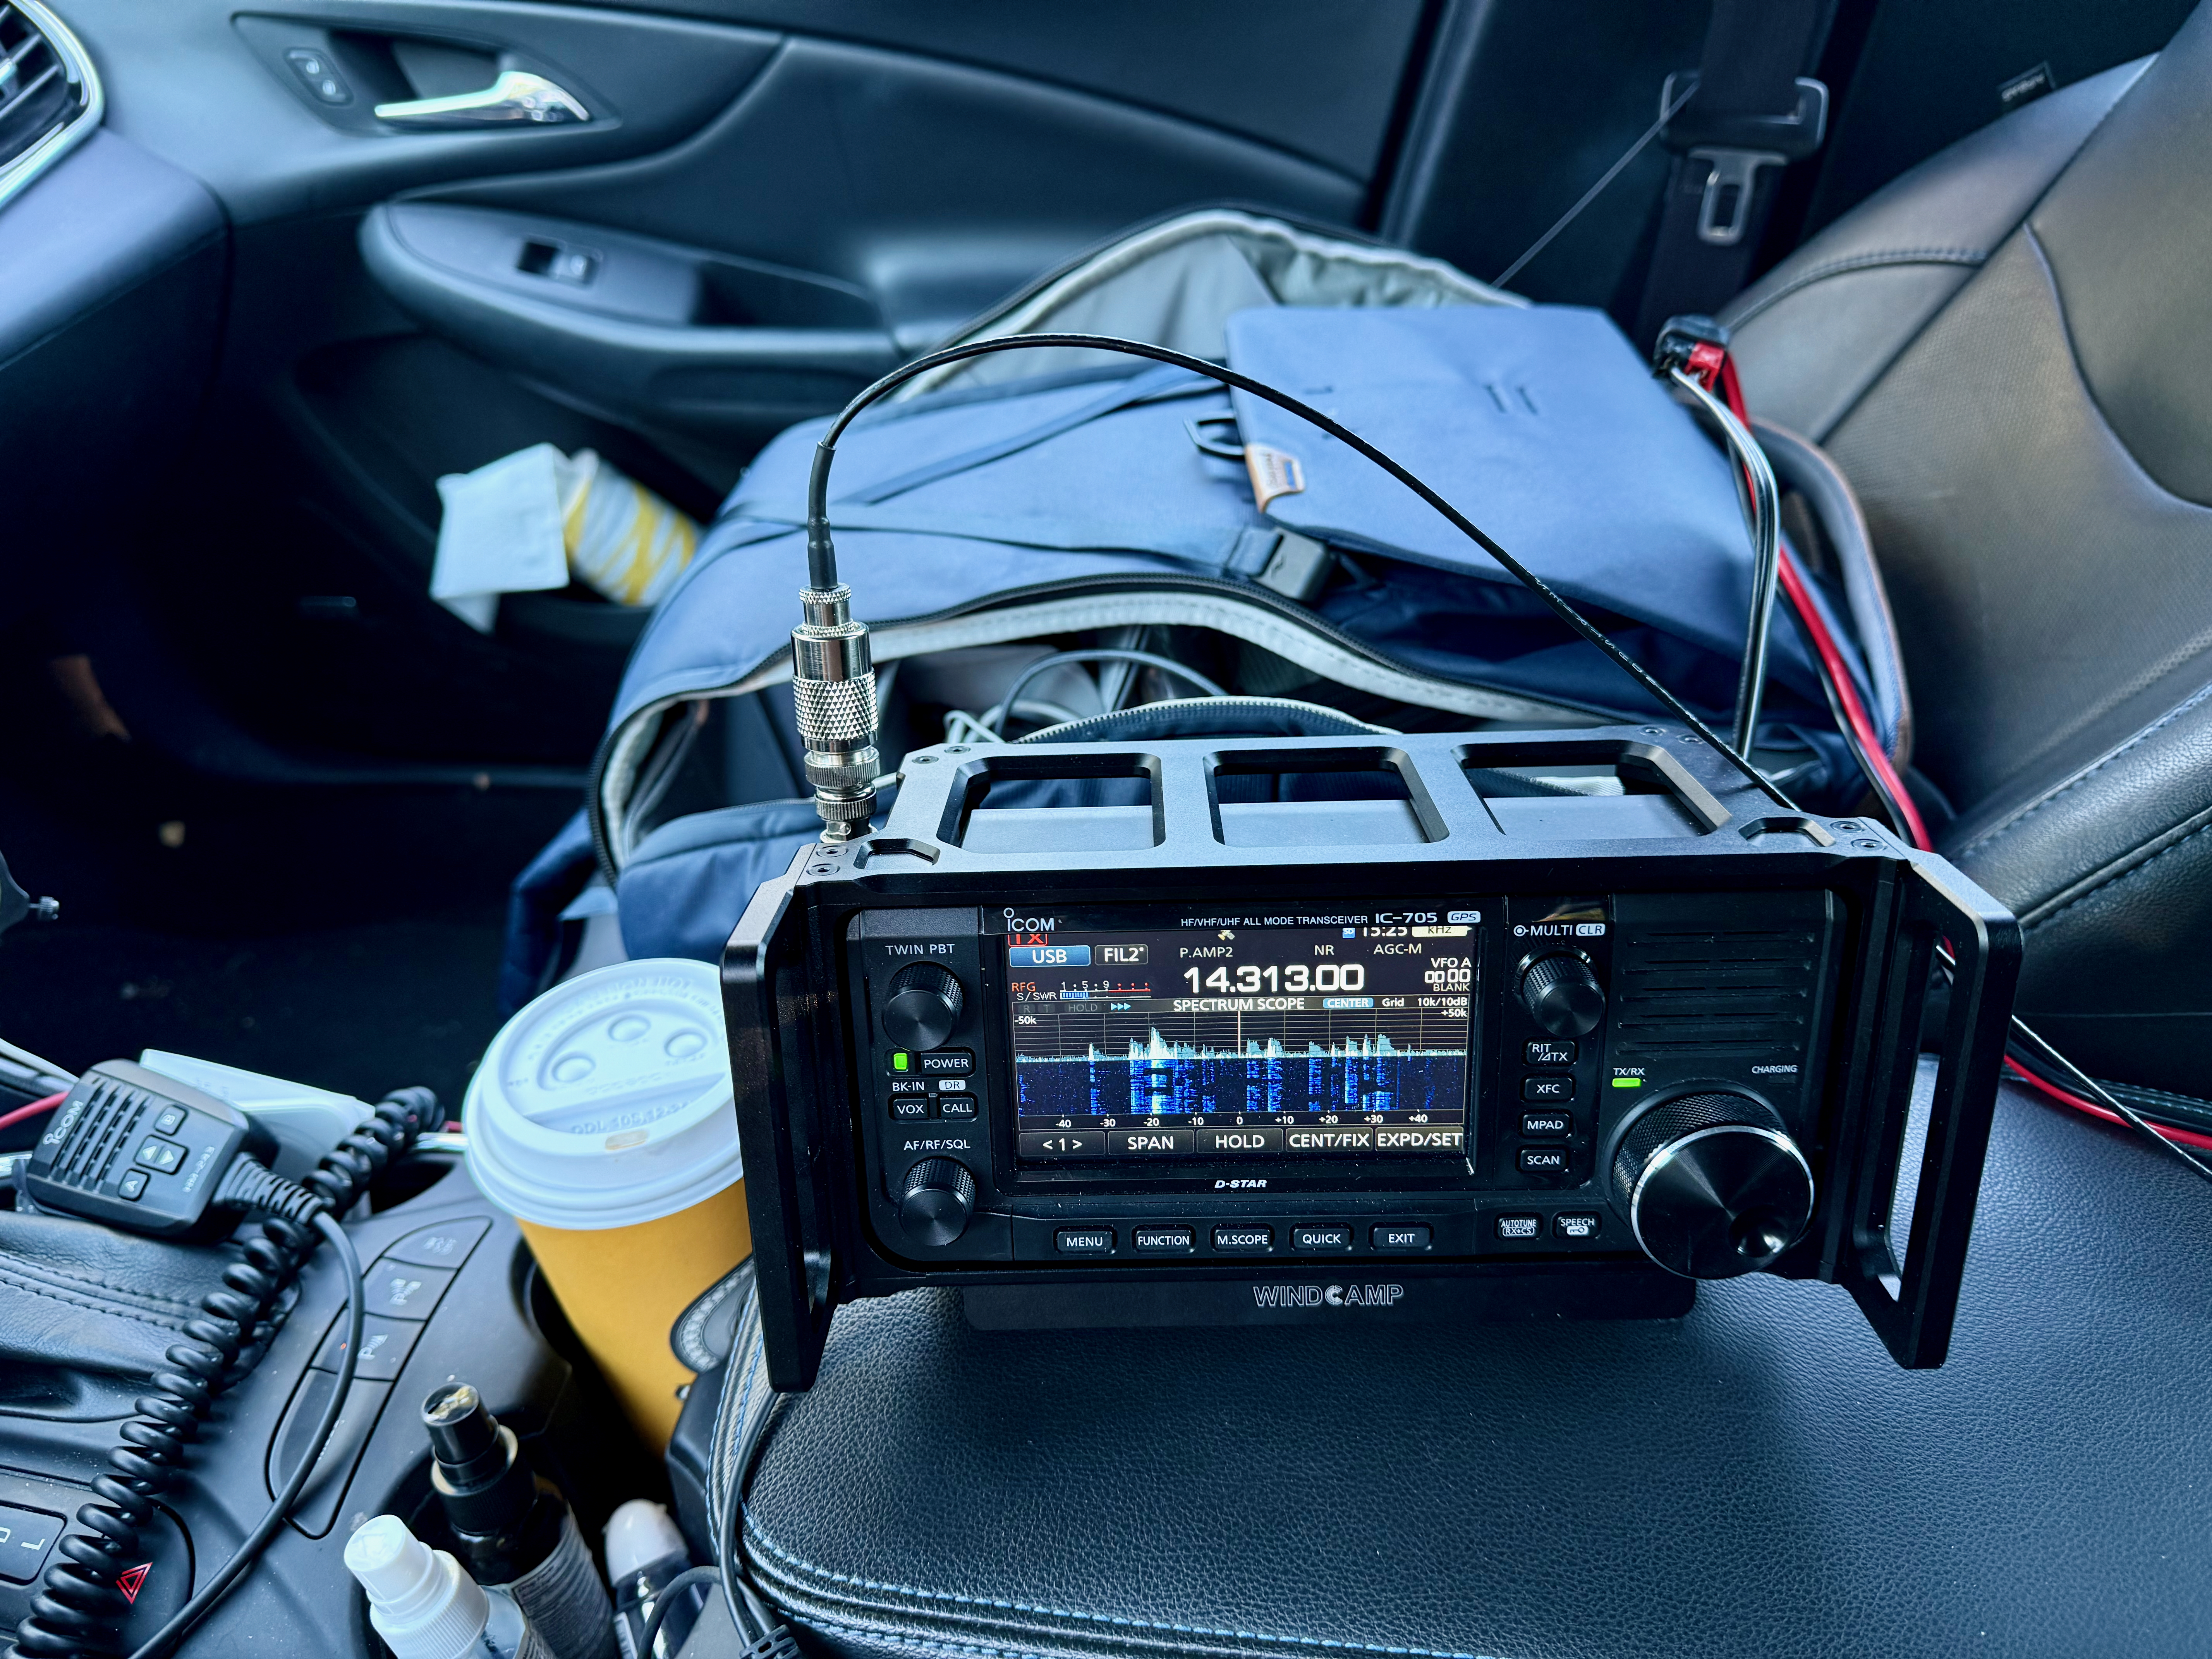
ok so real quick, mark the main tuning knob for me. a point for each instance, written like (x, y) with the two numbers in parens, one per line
(1563, 995)
(1712, 1185)
(923, 1007)
(935, 1199)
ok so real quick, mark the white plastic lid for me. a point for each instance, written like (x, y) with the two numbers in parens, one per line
(638, 1533)
(420, 1600)
(607, 1102)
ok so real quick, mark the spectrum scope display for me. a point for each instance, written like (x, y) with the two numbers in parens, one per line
(1331, 1041)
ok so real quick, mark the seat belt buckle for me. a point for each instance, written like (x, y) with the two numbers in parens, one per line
(1731, 178)
(1734, 144)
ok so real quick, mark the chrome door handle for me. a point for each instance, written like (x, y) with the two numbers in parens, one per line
(516, 97)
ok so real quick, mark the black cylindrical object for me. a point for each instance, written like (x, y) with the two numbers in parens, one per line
(514, 1526)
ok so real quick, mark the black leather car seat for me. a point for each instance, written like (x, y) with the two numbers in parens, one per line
(2008, 350)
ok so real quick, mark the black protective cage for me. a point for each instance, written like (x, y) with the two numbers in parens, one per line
(1911, 924)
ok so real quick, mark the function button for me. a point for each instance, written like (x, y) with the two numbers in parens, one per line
(1543, 1160)
(1582, 1225)
(169, 1121)
(955, 1106)
(446, 1245)
(1321, 1236)
(1548, 1051)
(1163, 1241)
(1519, 1226)
(1084, 1241)
(1401, 1236)
(1557, 1086)
(946, 1062)
(385, 1346)
(1145, 1143)
(1061, 1142)
(162, 1155)
(133, 1186)
(1243, 1239)
(909, 1109)
(1538, 1124)
(26, 1538)
(908, 1085)
(1231, 1141)
(400, 1291)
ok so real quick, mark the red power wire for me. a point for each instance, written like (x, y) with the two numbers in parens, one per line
(1717, 369)
(31, 1110)
(2064, 1098)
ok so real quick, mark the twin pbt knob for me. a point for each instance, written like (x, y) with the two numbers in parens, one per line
(923, 1007)
(1563, 995)
(1712, 1185)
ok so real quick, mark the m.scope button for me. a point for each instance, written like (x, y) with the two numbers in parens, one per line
(1084, 1241)
(1244, 1240)
(1163, 1241)
(1401, 1236)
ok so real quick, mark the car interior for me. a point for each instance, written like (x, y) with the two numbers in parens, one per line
(747, 739)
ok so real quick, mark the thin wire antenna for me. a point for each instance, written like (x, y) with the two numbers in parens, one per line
(1666, 114)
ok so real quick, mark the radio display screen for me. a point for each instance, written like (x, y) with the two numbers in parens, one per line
(1333, 1041)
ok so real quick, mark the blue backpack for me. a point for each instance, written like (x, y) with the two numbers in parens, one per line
(1126, 495)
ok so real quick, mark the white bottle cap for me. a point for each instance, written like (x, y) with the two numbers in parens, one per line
(606, 1102)
(638, 1533)
(420, 1601)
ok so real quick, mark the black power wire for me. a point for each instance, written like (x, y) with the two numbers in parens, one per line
(822, 552)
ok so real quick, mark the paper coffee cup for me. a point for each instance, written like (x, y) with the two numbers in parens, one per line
(602, 1119)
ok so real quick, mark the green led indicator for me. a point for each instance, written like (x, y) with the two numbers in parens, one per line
(900, 1061)
(1628, 1083)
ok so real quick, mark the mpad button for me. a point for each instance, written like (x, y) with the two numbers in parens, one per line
(1401, 1236)
(1085, 1241)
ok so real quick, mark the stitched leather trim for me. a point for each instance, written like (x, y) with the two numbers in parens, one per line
(2120, 869)
(917, 1644)
(984, 1605)
(84, 1299)
(1844, 265)
(2014, 820)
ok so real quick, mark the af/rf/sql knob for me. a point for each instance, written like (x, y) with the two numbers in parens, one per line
(935, 1199)
(923, 1007)
(1563, 995)
(1712, 1185)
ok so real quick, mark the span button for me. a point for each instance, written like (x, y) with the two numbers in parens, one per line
(1147, 1143)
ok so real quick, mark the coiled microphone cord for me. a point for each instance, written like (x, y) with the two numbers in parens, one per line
(78, 1612)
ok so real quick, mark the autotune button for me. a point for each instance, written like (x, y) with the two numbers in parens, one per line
(1321, 1236)
(1519, 1226)
(1401, 1236)
(1162, 1240)
(1243, 1240)
(1084, 1241)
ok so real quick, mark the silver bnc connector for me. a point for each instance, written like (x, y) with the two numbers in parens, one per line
(833, 692)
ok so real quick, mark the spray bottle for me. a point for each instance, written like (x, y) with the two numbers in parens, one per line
(424, 1604)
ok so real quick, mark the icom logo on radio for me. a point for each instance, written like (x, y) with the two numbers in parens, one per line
(1029, 924)
(1327, 1296)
